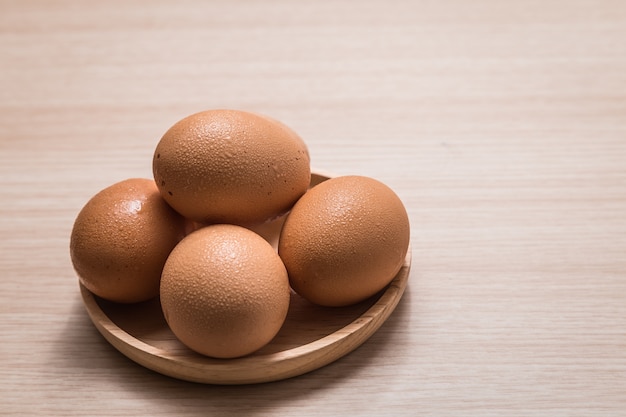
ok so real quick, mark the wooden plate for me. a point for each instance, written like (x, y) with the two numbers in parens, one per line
(311, 337)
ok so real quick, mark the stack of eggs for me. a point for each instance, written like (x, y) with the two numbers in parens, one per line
(187, 235)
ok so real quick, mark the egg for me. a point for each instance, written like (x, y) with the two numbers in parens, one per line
(121, 239)
(224, 291)
(231, 166)
(344, 240)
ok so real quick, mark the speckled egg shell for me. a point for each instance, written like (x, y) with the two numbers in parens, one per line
(231, 166)
(344, 240)
(224, 291)
(121, 239)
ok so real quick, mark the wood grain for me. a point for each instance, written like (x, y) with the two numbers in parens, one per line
(500, 124)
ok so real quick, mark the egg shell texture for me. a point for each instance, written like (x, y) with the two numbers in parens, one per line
(231, 166)
(344, 240)
(121, 239)
(224, 291)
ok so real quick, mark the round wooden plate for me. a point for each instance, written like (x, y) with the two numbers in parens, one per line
(311, 337)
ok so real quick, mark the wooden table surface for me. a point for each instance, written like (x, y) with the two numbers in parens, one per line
(500, 124)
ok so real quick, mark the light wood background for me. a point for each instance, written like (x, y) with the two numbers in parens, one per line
(501, 125)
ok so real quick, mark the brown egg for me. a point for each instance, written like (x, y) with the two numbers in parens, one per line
(224, 291)
(121, 239)
(230, 166)
(344, 240)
